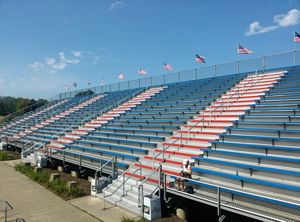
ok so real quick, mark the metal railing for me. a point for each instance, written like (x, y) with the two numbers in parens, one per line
(113, 162)
(223, 202)
(5, 207)
(141, 187)
(268, 62)
(123, 182)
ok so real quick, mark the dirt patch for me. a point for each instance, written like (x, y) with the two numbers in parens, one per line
(6, 155)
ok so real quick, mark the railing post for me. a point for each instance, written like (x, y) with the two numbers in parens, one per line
(123, 184)
(140, 170)
(264, 63)
(113, 170)
(142, 201)
(159, 179)
(215, 70)
(80, 163)
(165, 186)
(219, 201)
(295, 58)
(103, 199)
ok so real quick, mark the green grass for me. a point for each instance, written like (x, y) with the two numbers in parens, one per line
(126, 219)
(3, 156)
(57, 186)
(8, 155)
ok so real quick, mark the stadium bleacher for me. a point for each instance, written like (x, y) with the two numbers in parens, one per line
(261, 161)
(241, 130)
(137, 131)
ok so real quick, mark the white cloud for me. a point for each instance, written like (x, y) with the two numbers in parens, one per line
(256, 28)
(97, 59)
(289, 19)
(50, 61)
(76, 53)
(58, 63)
(36, 66)
(116, 5)
(59, 66)
(72, 61)
(283, 20)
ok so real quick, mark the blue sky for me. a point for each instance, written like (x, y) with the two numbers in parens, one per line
(46, 44)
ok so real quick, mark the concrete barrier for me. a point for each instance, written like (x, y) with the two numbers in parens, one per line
(60, 169)
(37, 169)
(74, 174)
(71, 184)
(54, 176)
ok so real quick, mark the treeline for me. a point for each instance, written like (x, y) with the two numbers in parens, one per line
(10, 105)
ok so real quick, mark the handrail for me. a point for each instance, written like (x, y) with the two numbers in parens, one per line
(146, 178)
(32, 147)
(7, 207)
(141, 187)
(104, 165)
(122, 184)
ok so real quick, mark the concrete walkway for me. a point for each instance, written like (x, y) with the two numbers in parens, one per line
(94, 205)
(33, 202)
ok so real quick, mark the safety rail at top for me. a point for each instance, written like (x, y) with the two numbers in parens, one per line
(287, 60)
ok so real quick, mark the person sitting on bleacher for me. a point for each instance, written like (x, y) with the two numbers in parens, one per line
(185, 172)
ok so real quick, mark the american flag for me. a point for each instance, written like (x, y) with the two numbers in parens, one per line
(297, 37)
(75, 84)
(167, 67)
(142, 71)
(243, 50)
(199, 59)
(121, 76)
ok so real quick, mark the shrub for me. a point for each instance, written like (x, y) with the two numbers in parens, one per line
(3, 156)
(126, 219)
(58, 186)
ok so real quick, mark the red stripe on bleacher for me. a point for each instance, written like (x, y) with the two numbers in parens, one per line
(184, 146)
